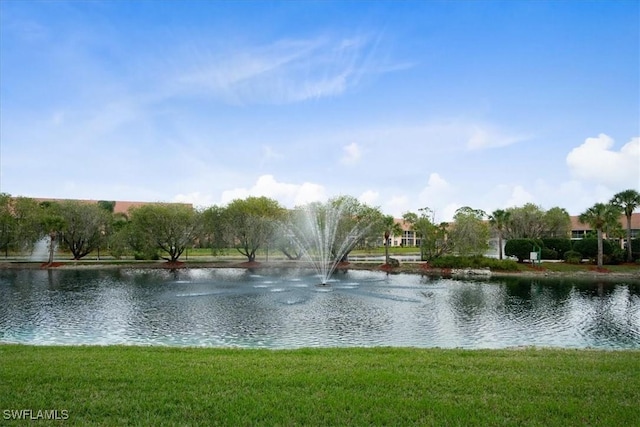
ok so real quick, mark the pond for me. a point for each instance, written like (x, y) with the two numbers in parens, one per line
(285, 308)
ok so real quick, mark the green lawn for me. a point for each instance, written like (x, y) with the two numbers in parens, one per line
(379, 386)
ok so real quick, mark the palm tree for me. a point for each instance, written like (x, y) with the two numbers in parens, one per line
(598, 216)
(627, 201)
(498, 221)
(391, 228)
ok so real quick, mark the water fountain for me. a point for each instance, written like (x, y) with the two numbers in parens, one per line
(325, 233)
(40, 251)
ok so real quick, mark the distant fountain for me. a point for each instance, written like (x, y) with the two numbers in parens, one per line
(41, 250)
(325, 234)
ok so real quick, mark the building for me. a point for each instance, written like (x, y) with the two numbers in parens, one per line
(120, 206)
(580, 230)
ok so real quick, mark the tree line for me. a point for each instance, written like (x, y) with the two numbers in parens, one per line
(158, 230)
(527, 227)
(167, 230)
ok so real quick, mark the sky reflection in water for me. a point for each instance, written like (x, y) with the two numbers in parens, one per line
(286, 308)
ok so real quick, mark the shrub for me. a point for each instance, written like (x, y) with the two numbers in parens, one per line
(394, 262)
(559, 245)
(548, 253)
(146, 255)
(573, 257)
(478, 261)
(589, 247)
(520, 248)
(635, 249)
(617, 256)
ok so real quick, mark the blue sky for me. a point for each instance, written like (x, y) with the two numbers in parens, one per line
(402, 104)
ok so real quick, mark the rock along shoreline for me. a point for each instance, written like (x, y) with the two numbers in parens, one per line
(421, 268)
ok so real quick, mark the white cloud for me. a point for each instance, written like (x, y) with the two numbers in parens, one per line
(447, 212)
(486, 136)
(352, 154)
(284, 71)
(396, 206)
(369, 197)
(269, 154)
(436, 190)
(439, 196)
(595, 161)
(196, 198)
(519, 197)
(289, 195)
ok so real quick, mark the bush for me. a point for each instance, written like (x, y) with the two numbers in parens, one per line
(573, 257)
(520, 248)
(478, 261)
(146, 255)
(394, 262)
(635, 249)
(559, 245)
(549, 253)
(617, 256)
(589, 247)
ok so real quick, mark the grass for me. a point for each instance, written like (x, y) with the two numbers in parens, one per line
(351, 386)
(563, 267)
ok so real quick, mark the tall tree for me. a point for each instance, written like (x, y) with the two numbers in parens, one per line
(525, 222)
(499, 220)
(213, 229)
(19, 223)
(84, 226)
(391, 228)
(7, 223)
(598, 216)
(169, 227)
(628, 201)
(51, 223)
(251, 223)
(557, 223)
(469, 234)
(433, 237)
(331, 230)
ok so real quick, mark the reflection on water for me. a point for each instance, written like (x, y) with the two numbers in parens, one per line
(286, 309)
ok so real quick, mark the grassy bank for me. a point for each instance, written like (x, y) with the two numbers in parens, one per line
(172, 386)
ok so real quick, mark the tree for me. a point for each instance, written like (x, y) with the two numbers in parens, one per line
(84, 226)
(391, 228)
(7, 223)
(251, 223)
(51, 224)
(598, 216)
(358, 225)
(628, 201)
(433, 237)
(171, 227)
(107, 205)
(526, 222)
(469, 234)
(213, 229)
(330, 231)
(499, 220)
(557, 223)
(19, 223)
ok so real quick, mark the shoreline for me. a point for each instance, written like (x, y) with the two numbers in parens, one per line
(405, 268)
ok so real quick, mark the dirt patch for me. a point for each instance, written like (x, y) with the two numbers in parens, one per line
(250, 264)
(386, 267)
(51, 264)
